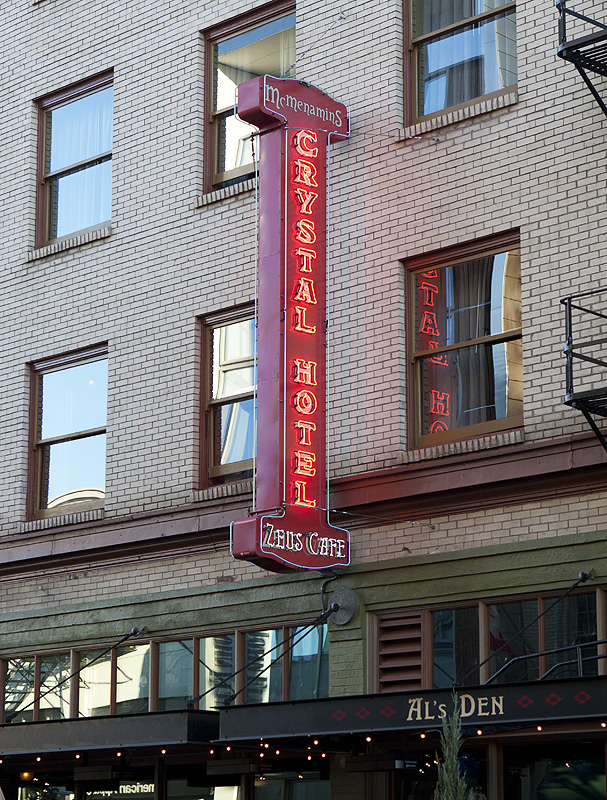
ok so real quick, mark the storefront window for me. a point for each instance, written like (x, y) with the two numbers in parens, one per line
(455, 647)
(19, 692)
(132, 679)
(217, 665)
(54, 686)
(95, 680)
(571, 622)
(309, 674)
(555, 772)
(506, 620)
(262, 648)
(175, 668)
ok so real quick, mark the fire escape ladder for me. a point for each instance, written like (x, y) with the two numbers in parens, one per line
(588, 53)
(592, 398)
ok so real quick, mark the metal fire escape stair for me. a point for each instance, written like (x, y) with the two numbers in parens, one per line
(592, 398)
(588, 53)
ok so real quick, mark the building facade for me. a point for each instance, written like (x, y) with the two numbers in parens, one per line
(467, 201)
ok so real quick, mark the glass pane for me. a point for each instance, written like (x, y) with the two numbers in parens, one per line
(309, 673)
(56, 701)
(263, 648)
(455, 647)
(73, 472)
(470, 386)
(505, 620)
(431, 15)
(233, 143)
(475, 60)
(236, 432)
(175, 673)
(95, 679)
(80, 199)
(79, 130)
(19, 691)
(233, 349)
(468, 301)
(73, 399)
(217, 666)
(267, 49)
(132, 679)
(571, 621)
(555, 771)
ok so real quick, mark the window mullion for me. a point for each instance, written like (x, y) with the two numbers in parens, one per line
(69, 437)
(77, 165)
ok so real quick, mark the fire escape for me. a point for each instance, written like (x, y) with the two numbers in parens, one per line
(586, 332)
(588, 53)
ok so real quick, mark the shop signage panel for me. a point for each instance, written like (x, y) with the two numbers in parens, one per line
(485, 707)
(289, 527)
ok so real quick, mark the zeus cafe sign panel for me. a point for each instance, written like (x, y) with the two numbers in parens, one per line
(289, 527)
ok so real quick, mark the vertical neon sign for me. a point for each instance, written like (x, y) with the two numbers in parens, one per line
(289, 527)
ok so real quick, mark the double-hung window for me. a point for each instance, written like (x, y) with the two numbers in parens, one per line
(262, 43)
(466, 372)
(461, 50)
(75, 159)
(230, 410)
(68, 459)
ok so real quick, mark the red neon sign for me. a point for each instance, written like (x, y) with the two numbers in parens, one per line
(289, 528)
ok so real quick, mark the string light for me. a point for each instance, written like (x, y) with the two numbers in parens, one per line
(479, 732)
(212, 752)
(422, 736)
(539, 727)
(163, 752)
(368, 739)
(38, 758)
(119, 754)
(309, 758)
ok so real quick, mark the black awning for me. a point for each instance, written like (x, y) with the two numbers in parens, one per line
(105, 733)
(496, 706)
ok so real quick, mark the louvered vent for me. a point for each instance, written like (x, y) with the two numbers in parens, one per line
(400, 652)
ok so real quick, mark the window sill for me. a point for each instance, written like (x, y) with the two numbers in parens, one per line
(463, 446)
(222, 490)
(64, 519)
(69, 242)
(457, 115)
(223, 194)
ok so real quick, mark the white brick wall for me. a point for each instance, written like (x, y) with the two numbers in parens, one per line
(537, 164)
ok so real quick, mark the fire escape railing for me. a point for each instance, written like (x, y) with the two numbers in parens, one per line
(588, 53)
(592, 400)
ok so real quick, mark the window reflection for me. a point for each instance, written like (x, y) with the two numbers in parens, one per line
(54, 686)
(72, 441)
(455, 647)
(94, 683)
(506, 620)
(132, 679)
(572, 621)
(261, 649)
(266, 49)
(309, 670)
(216, 669)
(175, 671)
(19, 691)
(77, 163)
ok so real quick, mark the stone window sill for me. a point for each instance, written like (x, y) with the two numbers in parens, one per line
(457, 115)
(223, 194)
(70, 242)
(64, 519)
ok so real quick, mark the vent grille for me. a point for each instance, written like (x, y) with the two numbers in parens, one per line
(400, 652)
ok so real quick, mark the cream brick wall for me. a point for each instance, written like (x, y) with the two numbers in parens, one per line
(537, 164)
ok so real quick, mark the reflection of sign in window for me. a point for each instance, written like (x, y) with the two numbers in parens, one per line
(467, 346)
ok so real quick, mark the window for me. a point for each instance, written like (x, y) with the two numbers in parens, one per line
(453, 642)
(68, 459)
(165, 675)
(75, 159)
(466, 377)
(461, 51)
(230, 376)
(262, 43)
